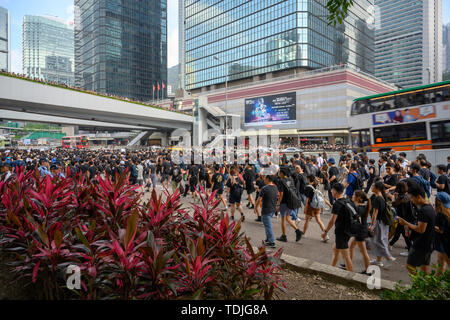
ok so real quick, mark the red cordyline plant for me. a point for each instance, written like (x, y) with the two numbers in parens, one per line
(124, 247)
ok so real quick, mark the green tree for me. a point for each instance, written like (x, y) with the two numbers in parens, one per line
(446, 76)
(338, 10)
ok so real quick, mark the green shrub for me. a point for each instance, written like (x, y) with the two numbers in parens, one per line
(424, 287)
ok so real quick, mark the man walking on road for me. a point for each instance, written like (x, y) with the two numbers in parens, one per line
(267, 199)
(339, 219)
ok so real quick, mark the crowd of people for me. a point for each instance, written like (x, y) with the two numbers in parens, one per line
(64, 85)
(373, 203)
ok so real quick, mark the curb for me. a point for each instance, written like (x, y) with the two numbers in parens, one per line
(312, 266)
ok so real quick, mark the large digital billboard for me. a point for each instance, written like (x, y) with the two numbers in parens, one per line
(270, 110)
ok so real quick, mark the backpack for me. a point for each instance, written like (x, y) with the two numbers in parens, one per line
(300, 183)
(358, 184)
(238, 188)
(424, 184)
(177, 176)
(293, 200)
(433, 179)
(389, 214)
(353, 225)
(318, 201)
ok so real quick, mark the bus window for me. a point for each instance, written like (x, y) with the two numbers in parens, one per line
(400, 133)
(440, 132)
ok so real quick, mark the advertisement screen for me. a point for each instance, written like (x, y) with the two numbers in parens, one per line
(405, 116)
(269, 110)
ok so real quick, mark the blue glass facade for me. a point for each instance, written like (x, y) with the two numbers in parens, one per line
(257, 37)
(48, 49)
(5, 40)
(121, 47)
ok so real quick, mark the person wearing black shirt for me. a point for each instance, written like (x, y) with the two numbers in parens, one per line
(443, 181)
(380, 240)
(166, 169)
(420, 252)
(390, 180)
(176, 176)
(235, 189)
(442, 228)
(193, 176)
(363, 206)
(372, 175)
(268, 201)
(249, 179)
(333, 178)
(217, 181)
(404, 208)
(260, 183)
(339, 220)
(287, 214)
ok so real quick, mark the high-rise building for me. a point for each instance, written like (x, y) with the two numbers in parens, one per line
(5, 40)
(261, 39)
(48, 49)
(446, 41)
(121, 47)
(408, 42)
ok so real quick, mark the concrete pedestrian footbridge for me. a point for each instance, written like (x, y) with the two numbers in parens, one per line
(48, 101)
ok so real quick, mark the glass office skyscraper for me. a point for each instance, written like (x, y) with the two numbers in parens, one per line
(5, 40)
(121, 47)
(408, 42)
(48, 49)
(257, 37)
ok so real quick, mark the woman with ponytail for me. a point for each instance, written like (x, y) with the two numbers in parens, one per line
(363, 208)
(380, 239)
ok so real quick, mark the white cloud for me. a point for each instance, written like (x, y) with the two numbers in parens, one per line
(172, 30)
(70, 13)
(172, 49)
(16, 61)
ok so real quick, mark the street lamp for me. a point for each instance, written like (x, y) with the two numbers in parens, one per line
(226, 98)
(429, 76)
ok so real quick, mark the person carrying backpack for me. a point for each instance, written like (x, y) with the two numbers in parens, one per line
(354, 181)
(443, 181)
(339, 219)
(287, 199)
(314, 202)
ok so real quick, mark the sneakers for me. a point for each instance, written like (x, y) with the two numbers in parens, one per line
(269, 244)
(325, 239)
(391, 259)
(342, 266)
(242, 217)
(258, 219)
(232, 218)
(298, 235)
(283, 238)
(377, 263)
(404, 254)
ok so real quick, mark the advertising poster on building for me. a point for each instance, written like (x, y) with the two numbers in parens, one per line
(271, 110)
(405, 115)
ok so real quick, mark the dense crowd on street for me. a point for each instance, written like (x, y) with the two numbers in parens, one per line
(373, 202)
(64, 85)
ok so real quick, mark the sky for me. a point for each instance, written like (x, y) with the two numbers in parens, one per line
(64, 9)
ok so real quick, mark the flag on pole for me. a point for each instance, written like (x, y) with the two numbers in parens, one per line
(153, 87)
(163, 85)
(159, 87)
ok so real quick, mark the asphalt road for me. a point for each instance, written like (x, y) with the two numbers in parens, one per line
(310, 246)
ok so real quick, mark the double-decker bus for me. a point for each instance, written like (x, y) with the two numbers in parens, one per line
(75, 142)
(415, 118)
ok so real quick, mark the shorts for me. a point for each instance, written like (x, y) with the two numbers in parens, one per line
(233, 198)
(140, 182)
(218, 191)
(284, 211)
(164, 177)
(312, 212)
(417, 258)
(341, 241)
(193, 182)
(250, 190)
